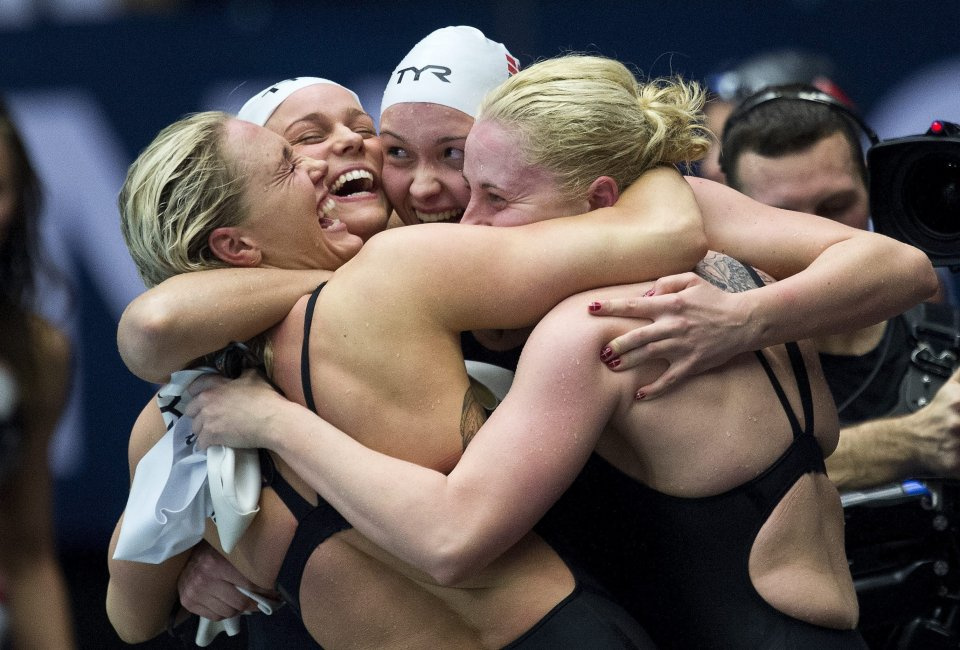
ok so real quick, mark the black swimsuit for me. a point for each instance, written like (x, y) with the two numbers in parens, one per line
(582, 619)
(681, 565)
(315, 523)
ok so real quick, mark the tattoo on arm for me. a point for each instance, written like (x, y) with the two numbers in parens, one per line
(726, 273)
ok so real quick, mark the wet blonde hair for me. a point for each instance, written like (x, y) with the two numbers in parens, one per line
(582, 117)
(177, 191)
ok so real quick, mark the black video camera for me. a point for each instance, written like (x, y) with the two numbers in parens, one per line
(915, 191)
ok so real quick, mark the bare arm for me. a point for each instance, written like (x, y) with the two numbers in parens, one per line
(832, 279)
(925, 443)
(140, 596)
(190, 315)
(449, 526)
(40, 614)
(482, 277)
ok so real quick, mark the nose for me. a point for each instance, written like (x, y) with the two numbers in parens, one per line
(425, 183)
(473, 214)
(343, 139)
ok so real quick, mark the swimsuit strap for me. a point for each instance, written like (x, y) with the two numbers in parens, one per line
(305, 351)
(799, 373)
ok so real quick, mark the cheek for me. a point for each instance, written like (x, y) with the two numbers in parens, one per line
(396, 182)
(456, 187)
(374, 150)
(318, 151)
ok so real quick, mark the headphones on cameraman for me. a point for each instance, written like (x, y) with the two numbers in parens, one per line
(805, 95)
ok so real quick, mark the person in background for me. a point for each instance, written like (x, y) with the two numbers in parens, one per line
(35, 363)
(806, 156)
(731, 86)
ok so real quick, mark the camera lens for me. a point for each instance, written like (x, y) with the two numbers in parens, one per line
(931, 193)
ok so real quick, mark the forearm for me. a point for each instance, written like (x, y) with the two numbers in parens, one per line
(850, 285)
(406, 509)
(673, 239)
(873, 453)
(193, 314)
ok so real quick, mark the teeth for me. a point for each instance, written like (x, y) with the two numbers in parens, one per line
(433, 217)
(350, 176)
(327, 207)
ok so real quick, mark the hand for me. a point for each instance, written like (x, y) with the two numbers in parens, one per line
(233, 413)
(208, 586)
(938, 427)
(696, 326)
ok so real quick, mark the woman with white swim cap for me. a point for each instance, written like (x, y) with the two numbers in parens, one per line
(429, 105)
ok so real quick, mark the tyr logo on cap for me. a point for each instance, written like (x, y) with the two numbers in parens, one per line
(441, 72)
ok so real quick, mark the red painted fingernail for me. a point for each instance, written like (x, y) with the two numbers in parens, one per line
(641, 394)
(594, 306)
(606, 353)
(613, 363)
(649, 293)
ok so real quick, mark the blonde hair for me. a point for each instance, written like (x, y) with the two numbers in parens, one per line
(582, 117)
(177, 191)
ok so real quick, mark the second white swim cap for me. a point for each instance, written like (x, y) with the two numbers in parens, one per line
(261, 106)
(452, 66)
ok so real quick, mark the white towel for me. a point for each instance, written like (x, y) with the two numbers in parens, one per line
(495, 378)
(176, 487)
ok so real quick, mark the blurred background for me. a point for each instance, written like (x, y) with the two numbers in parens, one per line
(90, 82)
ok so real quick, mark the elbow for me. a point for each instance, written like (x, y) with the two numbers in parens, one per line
(930, 282)
(141, 335)
(459, 558)
(451, 569)
(923, 278)
(130, 629)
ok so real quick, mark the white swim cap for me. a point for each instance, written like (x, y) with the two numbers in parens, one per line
(453, 66)
(261, 106)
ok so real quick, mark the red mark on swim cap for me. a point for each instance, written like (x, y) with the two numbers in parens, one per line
(513, 66)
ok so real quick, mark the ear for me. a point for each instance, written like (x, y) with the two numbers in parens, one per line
(603, 193)
(233, 247)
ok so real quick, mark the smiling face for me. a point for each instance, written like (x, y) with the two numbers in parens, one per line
(505, 190)
(423, 164)
(325, 122)
(285, 196)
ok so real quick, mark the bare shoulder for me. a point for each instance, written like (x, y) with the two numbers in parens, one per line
(147, 430)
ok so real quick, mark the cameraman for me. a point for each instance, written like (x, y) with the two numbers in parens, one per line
(806, 156)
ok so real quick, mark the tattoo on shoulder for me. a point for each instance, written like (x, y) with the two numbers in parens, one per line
(725, 273)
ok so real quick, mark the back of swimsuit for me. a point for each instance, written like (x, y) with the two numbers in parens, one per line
(681, 565)
(315, 524)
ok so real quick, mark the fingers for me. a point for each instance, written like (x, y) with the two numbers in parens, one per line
(638, 306)
(216, 604)
(208, 586)
(661, 385)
